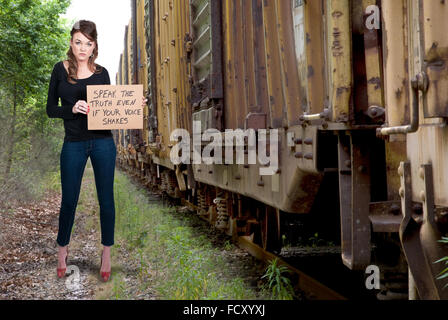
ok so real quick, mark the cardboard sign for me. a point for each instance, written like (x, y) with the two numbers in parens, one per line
(115, 107)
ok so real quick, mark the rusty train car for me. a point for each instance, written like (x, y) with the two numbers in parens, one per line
(354, 91)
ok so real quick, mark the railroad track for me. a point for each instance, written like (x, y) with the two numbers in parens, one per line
(312, 288)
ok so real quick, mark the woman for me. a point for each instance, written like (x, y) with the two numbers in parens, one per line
(68, 82)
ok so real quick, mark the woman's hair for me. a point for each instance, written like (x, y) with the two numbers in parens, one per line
(88, 29)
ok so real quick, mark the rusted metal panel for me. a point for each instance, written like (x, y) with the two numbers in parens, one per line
(260, 76)
(170, 62)
(290, 76)
(171, 26)
(125, 57)
(274, 65)
(396, 70)
(151, 70)
(261, 69)
(141, 45)
(216, 76)
(373, 57)
(121, 141)
(164, 118)
(142, 76)
(366, 56)
(339, 58)
(395, 154)
(315, 96)
(184, 88)
(132, 66)
(435, 57)
(130, 53)
(256, 121)
(230, 114)
(134, 47)
(248, 56)
(239, 66)
(254, 85)
(359, 100)
(301, 40)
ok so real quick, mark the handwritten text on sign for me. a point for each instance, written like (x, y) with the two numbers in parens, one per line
(115, 107)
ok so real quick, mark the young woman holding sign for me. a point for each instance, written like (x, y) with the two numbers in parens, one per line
(68, 82)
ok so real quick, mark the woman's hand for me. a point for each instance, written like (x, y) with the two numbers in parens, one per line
(144, 100)
(81, 107)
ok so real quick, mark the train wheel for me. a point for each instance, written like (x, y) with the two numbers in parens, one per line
(270, 230)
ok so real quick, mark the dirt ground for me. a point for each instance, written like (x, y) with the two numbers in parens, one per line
(28, 257)
(28, 253)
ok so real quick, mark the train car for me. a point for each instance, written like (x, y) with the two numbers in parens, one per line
(346, 99)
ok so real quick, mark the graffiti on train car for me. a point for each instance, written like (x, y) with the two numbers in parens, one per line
(267, 154)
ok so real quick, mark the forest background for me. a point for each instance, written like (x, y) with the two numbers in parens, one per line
(33, 38)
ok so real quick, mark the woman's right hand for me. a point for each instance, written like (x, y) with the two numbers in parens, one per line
(81, 107)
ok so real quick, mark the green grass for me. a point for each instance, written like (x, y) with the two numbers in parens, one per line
(277, 281)
(444, 274)
(52, 181)
(172, 259)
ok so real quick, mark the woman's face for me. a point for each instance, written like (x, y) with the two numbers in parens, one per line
(82, 47)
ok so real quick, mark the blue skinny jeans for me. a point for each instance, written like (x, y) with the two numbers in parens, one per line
(74, 155)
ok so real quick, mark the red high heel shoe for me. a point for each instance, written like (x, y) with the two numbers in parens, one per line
(61, 271)
(104, 275)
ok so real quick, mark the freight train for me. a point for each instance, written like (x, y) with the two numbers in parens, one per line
(348, 99)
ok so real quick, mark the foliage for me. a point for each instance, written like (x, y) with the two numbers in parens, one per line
(172, 258)
(444, 273)
(277, 282)
(33, 39)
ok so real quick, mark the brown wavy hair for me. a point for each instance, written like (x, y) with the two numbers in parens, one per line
(88, 29)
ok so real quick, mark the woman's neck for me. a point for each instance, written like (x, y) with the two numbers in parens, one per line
(83, 65)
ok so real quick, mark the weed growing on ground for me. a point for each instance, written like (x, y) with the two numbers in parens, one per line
(119, 288)
(444, 274)
(277, 282)
(173, 260)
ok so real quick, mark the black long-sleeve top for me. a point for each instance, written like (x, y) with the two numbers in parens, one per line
(75, 124)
